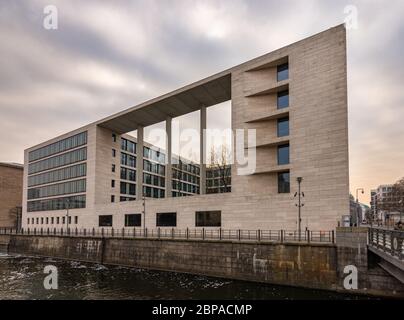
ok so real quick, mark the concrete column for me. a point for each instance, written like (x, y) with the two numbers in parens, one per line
(139, 164)
(202, 138)
(169, 172)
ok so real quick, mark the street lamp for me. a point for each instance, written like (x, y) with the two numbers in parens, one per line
(144, 215)
(357, 205)
(299, 205)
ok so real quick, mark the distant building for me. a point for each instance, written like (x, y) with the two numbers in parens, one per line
(11, 178)
(381, 199)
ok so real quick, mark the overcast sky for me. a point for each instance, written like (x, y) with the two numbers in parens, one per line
(106, 56)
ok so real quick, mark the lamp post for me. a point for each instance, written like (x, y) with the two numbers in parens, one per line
(299, 205)
(144, 215)
(357, 205)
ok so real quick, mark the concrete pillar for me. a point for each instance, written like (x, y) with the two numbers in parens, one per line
(202, 138)
(139, 164)
(169, 172)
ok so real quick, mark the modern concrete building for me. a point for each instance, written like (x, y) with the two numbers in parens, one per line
(295, 98)
(11, 176)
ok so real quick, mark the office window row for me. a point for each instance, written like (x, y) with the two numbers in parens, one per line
(128, 160)
(74, 202)
(154, 155)
(127, 188)
(186, 187)
(58, 161)
(151, 192)
(59, 146)
(154, 180)
(77, 186)
(127, 145)
(166, 219)
(123, 199)
(154, 167)
(52, 220)
(184, 176)
(128, 174)
(72, 172)
(188, 167)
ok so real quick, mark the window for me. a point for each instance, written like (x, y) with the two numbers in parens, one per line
(57, 204)
(28, 221)
(283, 99)
(77, 186)
(105, 221)
(58, 175)
(112, 198)
(208, 218)
(113, 168)
(47, 220)
(112, 183)
(69, 219)
(283, 72)
(283, 182)
(166, 219)
(113, 153)
(37, 220)
(57, 220)
(63, 220)
(113, 137)
(133, 220)
(52, 220)
(76, 219)
(283, 154)
(283, 127)
(41, 220)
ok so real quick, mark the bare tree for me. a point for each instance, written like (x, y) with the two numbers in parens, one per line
(220, 163)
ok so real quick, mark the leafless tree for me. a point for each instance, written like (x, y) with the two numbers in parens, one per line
(220, 162)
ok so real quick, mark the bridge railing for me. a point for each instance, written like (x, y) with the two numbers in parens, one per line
(389, 241)
(306, 236)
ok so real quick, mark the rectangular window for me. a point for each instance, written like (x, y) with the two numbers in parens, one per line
(105, 221)
(47, 220)
(63, 220)
(113, 137)
(76, 219)
(166, 219)
(57, 220)
(112, 183)
(284, 182)
(133, 220)
(113, 153)
(113, 168)
(283, 99)
(208, 219)
(283, 154)
(112, 198)
(41, 220)
(283, 72)
(283, 127)
(70, 220)
(52, 220)
(28, 221)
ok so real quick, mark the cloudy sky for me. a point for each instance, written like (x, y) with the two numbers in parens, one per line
(107, 56)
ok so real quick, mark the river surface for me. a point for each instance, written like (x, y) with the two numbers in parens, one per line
(23, 277)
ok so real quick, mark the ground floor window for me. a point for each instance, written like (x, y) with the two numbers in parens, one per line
(133, 220)
(105, 221)
(166, 219)
(284, 182)
(208, 218)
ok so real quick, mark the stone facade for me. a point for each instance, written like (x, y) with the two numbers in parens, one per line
(318, 140)
(11, 176)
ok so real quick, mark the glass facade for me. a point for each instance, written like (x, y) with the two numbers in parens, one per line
(208, 219)
(283, 72)
(74, 202)
(283, 154)
(283, 99)
(58, 161)
(284, 182)
(77, 186)
(127, 145)
(128, 160)
(60, 146)
(128, 188)
(283, 127)
(58, 175)
(154, 155)
(128, 174)
(166, 219)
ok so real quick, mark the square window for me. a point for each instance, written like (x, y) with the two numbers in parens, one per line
(284, 182)
(283, 154)
(283, 72)
(208, 219)
(133, 220)
(166, 219)
(283, 127)
(283, 99)
(105, 221)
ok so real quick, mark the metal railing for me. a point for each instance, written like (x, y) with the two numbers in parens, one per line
(389, 241)
(281, 236)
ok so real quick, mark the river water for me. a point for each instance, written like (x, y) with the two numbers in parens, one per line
(23, 277)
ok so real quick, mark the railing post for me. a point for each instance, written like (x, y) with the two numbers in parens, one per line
(85, 231)
(220, 234)
(203, 233)
(308, 236)
(145, 233)
(158, 233)
(239, 234)
(282, 236)
(333, 236)
(187, 233)
(259, 235)
(102, 232)
(93, 232)
(112, 232)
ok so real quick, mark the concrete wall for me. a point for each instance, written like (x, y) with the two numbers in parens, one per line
(305, 265)
(11, 178)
